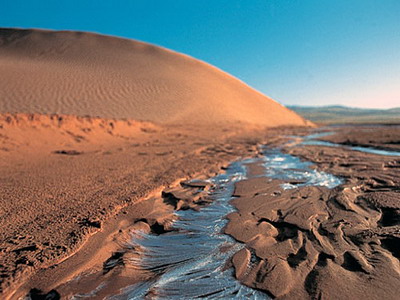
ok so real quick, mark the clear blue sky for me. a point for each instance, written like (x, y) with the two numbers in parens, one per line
(306, 52)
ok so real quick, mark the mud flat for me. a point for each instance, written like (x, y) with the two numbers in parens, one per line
(310, 222)
(320, 243)
(385, 137)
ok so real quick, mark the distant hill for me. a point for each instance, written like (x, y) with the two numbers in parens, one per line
(343, 114)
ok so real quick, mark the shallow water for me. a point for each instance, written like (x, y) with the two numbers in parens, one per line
(190, 261)
(290, 168)
(312, 140)
(355, 148)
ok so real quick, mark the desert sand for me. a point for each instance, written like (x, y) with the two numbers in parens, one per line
(91, 129)
(82, 74)
(99, 137)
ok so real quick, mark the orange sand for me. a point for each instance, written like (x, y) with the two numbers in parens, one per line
(87, 74)
(90, 126)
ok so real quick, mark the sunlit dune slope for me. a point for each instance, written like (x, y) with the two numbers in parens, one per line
(81, 74)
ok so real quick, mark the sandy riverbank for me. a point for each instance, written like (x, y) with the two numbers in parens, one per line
(65, 179)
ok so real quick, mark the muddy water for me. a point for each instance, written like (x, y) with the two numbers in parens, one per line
(191, 260)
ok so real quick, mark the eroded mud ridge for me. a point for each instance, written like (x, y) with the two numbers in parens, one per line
(379, 137)
(299, 221)
(312, 242)
(192, 256)
(301, 232)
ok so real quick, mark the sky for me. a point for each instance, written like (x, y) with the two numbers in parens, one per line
(299, 52)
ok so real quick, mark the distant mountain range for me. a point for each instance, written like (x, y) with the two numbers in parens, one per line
(342, 114)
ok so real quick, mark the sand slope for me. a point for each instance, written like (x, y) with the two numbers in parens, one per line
(88, 74)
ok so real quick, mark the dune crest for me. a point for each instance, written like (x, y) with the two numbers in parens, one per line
(78, 73)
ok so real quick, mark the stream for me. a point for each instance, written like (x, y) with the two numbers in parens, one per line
(190, 261)
(313, 141)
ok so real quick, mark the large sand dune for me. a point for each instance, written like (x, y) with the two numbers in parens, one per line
(70, 167)
(79, 73)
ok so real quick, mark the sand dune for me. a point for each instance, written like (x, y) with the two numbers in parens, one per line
(80, 150)
(88, 74)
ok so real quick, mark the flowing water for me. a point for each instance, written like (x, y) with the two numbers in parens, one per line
(190, 262)
(313, 140)
(355, 148)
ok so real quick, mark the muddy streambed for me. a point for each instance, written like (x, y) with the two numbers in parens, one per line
(192, 260)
